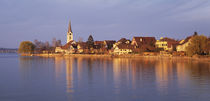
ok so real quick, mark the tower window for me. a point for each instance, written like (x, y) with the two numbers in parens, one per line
(141, 39)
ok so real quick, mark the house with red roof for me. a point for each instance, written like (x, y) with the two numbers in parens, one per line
(167, 44)
(123, 49)
(70, 48)
(144, 43)
(181, 47)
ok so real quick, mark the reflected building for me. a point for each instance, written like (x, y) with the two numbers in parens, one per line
(182, 74)
(123, 70)
(69, 74)
(64, 65)
(79, 67)
(164, 72)
(117, 67)
(59, 64)
(193, 73)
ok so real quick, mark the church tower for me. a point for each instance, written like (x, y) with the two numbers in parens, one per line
(69, 33)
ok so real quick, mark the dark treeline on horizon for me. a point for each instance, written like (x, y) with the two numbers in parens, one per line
(8, 50)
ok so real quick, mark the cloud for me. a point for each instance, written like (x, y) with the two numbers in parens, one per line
(193, 10)
(103, 18)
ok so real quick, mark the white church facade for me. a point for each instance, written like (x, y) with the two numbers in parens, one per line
(69, 33)
(69, 46)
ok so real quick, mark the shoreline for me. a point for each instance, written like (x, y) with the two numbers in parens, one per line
(196, 58)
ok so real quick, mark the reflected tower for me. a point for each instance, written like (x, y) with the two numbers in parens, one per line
(69, 74)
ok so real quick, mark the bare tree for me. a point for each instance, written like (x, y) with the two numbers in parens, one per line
(47, 45)
(80, 39)
(54, 42)
(58, 43)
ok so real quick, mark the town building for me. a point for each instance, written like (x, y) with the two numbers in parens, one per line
(70, 46)
(184, 43)
(208, 48)
(99, 45)
(109, 44)
(122, 41)
(82, 47)
(167, 44)
(144, 43)
(122, 46)
(69, 33)
(123, 49)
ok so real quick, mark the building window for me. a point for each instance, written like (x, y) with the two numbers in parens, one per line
(141, 39)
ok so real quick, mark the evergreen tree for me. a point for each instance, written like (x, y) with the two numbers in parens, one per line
(90, 42)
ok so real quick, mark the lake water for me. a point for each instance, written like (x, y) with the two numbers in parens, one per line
(102, 79)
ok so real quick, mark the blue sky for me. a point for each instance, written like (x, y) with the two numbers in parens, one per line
(105, 19)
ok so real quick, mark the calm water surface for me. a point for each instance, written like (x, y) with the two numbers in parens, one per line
(102, 79)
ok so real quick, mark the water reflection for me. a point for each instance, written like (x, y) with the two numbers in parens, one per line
(34, 66)
(121, 77)
(183, 74)
(164, 73)
(120, 72)
(59, 67)
(69, 74)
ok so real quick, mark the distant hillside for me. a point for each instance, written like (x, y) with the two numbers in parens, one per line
(8, 50)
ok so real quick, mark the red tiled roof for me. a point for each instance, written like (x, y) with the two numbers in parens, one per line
(67, 45)
(83, 45)
(170, 44)
(187, 39)
(125, 46)
(208, 44)
(147, 48)
(123, 40)
(168, 39)
(109, 42)
(98, 42)
(145, 40)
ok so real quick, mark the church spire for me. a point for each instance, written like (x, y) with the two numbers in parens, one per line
(69, 29)
(69, 33)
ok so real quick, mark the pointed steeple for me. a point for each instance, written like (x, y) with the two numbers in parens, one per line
(69, 33)
(69, 29)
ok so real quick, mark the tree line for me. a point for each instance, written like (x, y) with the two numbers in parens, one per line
(38, 46)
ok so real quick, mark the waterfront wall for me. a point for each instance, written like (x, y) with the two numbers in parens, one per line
(197, 58)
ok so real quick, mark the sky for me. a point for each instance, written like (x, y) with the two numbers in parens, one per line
(27, 20)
